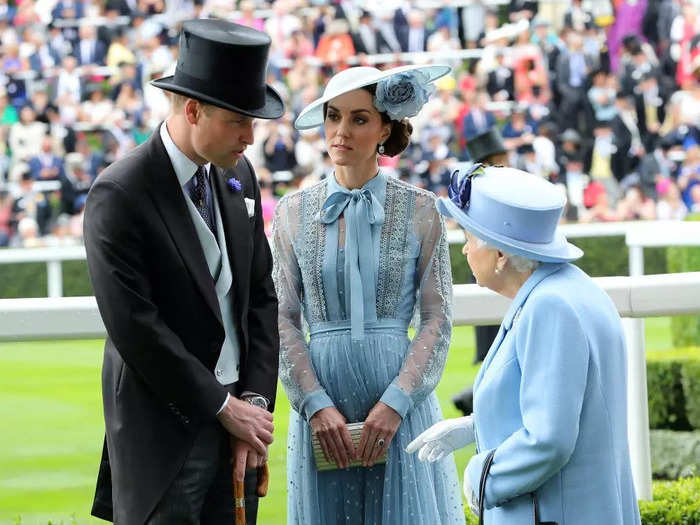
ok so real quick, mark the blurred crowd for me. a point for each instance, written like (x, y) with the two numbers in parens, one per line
(599, 96)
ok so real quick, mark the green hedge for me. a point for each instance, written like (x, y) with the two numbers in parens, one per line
(674, 503)
(673, 385)
(674, 454)
(603, 257)
(685, 329)
(690, 379)
(29, 280)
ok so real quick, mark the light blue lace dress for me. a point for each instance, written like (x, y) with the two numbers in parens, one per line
(343, 257)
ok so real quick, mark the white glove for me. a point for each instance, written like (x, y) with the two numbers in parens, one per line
(443, 438)
(472, 498)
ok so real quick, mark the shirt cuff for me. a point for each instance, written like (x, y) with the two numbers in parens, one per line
(397, 399)
(224, 405)
(314, 402)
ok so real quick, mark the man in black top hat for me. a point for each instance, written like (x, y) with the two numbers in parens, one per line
(181, 270)
(487, 148)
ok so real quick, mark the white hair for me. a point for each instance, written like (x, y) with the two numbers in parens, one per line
(519, 263)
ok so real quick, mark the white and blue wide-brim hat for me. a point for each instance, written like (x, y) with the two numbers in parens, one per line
(510, 209)
(354, 78)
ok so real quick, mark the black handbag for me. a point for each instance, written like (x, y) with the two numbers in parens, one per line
(482, 493)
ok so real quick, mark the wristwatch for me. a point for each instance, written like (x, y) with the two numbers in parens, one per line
(257, 401)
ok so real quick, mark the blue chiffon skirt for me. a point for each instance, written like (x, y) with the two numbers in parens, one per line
(404, 491)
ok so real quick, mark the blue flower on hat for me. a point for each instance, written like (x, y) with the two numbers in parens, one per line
(460, 189)
(402, 95)
(234, 184)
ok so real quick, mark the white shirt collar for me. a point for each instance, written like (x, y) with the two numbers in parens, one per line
(182, 164)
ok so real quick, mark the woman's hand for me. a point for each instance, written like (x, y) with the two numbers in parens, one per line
(443, 438)
(379, 429)
(329, 425)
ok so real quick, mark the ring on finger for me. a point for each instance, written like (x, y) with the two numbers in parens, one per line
(381, 442)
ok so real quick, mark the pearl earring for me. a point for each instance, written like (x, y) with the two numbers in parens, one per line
(380, 149)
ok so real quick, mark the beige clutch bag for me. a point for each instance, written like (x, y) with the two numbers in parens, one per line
(355, 433)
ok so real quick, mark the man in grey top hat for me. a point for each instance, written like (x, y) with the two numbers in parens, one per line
(181, 270)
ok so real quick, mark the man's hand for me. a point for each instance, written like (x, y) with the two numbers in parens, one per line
(248, 423)
(245, 457)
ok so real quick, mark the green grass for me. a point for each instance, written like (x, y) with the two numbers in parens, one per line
(51, 426)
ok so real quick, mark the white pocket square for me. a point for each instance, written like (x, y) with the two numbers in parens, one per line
(250, 206)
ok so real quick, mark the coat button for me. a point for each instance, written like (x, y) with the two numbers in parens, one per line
(219, 372)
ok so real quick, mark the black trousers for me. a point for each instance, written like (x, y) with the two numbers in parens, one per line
(202, 492)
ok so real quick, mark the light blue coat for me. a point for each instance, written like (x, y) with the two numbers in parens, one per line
(551, 399)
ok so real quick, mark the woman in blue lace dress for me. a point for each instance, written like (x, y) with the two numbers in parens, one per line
(355, 256)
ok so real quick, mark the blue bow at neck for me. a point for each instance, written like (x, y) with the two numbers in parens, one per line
(363, 211)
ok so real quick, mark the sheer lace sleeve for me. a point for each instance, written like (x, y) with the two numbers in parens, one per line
(426, 356)
(296, 371)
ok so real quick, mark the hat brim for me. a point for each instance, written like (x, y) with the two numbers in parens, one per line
(273, 108)
(559, 250)
(312, 115)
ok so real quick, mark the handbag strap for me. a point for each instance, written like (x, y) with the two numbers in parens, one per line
(482, 493)
(482, 484)
(537, 512)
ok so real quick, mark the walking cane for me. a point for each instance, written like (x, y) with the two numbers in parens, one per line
(239, 489)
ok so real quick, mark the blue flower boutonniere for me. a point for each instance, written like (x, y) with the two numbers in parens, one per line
(234, 184)
(460, 189)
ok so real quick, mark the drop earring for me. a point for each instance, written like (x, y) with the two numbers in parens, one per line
(380, 149)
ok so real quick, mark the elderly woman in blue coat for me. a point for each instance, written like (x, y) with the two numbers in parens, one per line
(550, 398)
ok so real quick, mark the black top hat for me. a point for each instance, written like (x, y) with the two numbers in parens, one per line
(224, 64)
(484, 145)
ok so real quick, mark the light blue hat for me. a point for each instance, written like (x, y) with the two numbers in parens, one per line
(510, 209)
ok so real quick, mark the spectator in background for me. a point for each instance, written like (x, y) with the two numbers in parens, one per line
(30, 203)
(248, 17)
(479, 119)
(76, 183)
(97, 109)
(8, 113)
(573, 68)
(670, 205)
(308, 151)
(689, 175)
(46, 165)
(597, 202)
(578, 18)
(635, 205)
(68, 86)
(26, 135)
(118, 52)
(601, 96)
(335, 46)
(501, 84)
(473, 22)
(626, 138)
(28, 234)
(5, 218)
(650, 110)
(90, 51)
(416, 35)
(278, 147)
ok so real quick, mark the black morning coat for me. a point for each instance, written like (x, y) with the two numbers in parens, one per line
(157, 300)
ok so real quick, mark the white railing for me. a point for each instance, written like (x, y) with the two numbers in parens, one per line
(634, 297)
(54, 256)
